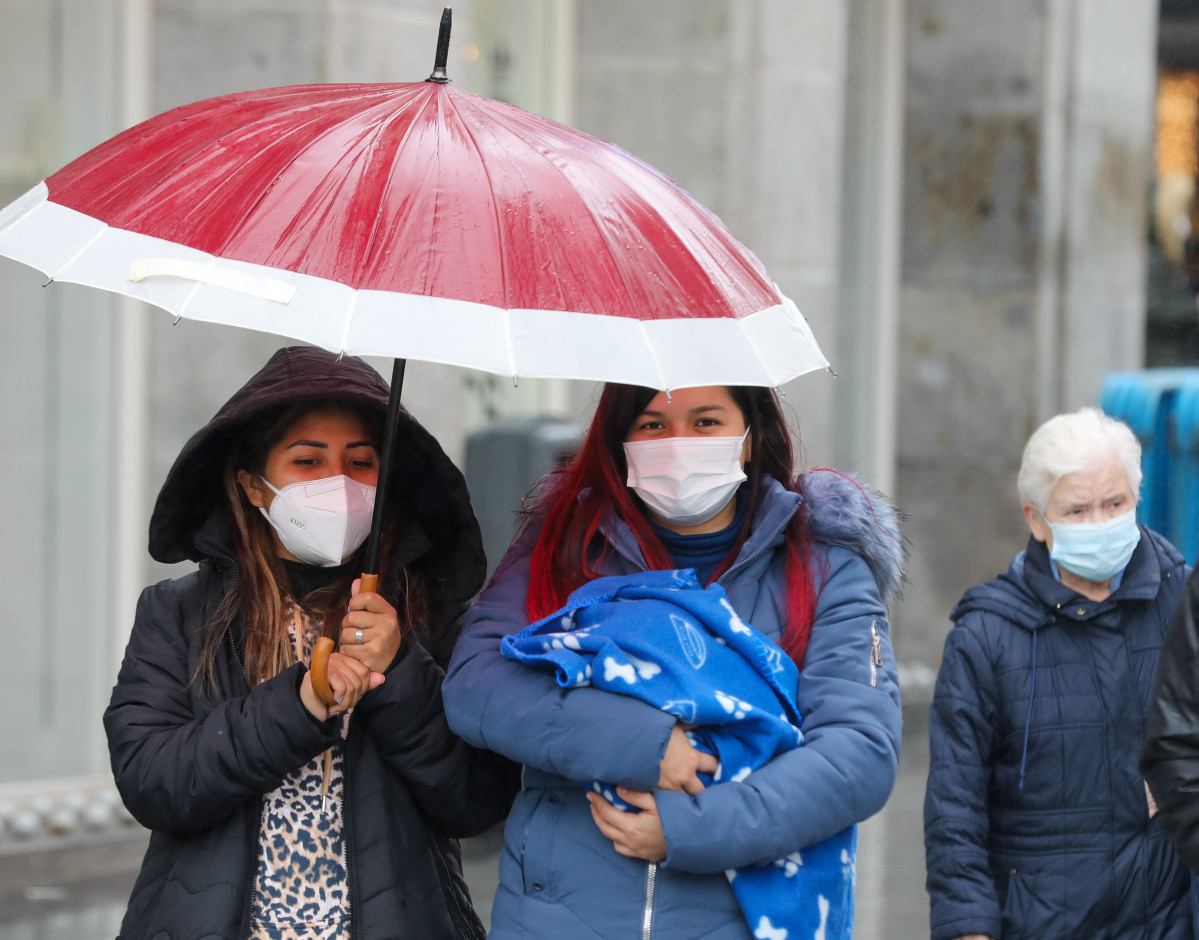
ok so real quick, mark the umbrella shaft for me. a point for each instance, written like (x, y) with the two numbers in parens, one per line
(371, 562)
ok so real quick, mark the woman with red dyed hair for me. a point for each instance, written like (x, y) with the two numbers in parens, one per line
(702, 478)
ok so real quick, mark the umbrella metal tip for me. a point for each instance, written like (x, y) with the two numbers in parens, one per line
(443, 47)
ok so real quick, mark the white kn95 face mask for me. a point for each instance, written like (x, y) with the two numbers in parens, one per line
(322, 521)
(685, 480)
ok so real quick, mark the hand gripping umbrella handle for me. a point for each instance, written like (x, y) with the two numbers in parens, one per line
(319, 666)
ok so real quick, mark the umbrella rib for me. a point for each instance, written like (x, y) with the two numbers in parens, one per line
(749, 341)
(653, 355)
(397, 151)
(191, 295)
(467, 130)
(601, 230)
(345, 331)
(511, 346)
(82, 248)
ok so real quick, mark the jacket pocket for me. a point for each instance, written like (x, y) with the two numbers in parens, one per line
(1016, 907)
(1038, 902)
(538, 822)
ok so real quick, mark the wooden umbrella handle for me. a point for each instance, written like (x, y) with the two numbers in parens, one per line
(318, 668)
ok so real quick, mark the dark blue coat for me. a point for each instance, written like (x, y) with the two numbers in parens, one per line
(1036, 819)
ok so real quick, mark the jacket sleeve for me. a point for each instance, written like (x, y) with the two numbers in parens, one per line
(179, 770)
(962, 742)
(1170, 756)
(522, 713)
(464, 789)
(845, 768)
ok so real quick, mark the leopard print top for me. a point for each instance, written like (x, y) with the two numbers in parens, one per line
(301, 890)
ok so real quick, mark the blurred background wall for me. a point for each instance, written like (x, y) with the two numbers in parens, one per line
(962, 196)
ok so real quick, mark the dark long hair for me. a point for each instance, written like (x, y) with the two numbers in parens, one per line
(262, 588)
(593, 485)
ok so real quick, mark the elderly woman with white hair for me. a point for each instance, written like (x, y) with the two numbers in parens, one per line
(1037, 822)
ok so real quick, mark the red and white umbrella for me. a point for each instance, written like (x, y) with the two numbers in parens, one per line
(416, 221)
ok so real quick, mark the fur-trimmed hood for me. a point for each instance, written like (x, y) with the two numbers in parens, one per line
(842, 510)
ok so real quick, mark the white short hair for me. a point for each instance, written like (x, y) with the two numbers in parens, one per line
(1076, 442)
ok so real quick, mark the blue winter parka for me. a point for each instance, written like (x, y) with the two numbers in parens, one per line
(559, 876)
(1036, 818)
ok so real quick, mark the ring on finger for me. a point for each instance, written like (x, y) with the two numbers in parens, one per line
(358, 637)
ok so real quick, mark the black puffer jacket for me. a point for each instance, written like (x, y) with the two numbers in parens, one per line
(1170, 758)
(192, 763)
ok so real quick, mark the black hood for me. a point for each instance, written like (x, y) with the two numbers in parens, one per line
(424, 483)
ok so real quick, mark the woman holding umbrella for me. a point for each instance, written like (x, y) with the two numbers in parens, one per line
(703, 479)
(273, 814)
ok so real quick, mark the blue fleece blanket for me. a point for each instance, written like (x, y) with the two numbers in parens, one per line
(664, 639)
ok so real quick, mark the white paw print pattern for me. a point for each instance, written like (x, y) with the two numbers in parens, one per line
(734, 706)
(790, 865)
(767, 931)
(605, 792)
(559, 641)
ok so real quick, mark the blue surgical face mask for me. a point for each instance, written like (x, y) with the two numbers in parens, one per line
(1095, 550)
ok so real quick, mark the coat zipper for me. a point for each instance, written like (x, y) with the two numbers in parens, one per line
(651, 876)
(248, 913)
(876, 652)
(638, 562)
(351, 887)
(651, 880)
(647, 919)
(767, 545)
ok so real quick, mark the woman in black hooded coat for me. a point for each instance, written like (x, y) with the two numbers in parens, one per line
(272, 815)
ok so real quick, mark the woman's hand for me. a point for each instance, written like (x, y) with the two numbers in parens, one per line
(682, 763)
(348, 678)
(637, 835)
(379, 626)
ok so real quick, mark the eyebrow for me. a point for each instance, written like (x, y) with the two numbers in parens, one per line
(324, 446)
(702, 409)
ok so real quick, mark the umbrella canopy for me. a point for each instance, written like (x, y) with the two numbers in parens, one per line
(416, 221)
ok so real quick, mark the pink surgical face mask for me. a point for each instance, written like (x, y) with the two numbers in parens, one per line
(323, 521)
(685, 481)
